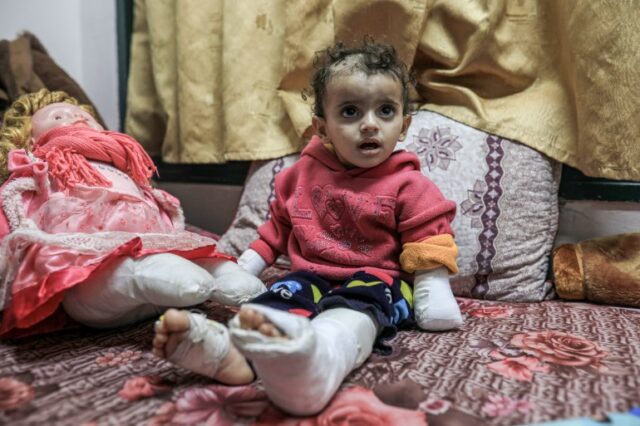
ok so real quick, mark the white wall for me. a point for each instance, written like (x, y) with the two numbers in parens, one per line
(80, 35)
(583, 220)
(210, 207)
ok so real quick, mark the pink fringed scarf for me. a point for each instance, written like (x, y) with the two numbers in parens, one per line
(67, 149)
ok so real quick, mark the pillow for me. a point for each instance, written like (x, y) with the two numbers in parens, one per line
(507, 198)
(253, 208)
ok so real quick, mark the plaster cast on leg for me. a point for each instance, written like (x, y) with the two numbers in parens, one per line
(435, 306)
(302, 373)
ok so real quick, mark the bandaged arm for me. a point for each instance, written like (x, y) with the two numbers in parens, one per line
(432, 259)
(430, 253)
(252, 262)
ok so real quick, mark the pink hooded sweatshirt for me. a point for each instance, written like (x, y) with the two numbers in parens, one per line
(336, 221)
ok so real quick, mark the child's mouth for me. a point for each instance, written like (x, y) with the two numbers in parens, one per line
(369, 145)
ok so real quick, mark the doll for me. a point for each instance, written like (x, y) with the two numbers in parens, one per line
(84, 235)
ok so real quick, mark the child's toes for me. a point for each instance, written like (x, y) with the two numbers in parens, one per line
(269, 329)
(250, 319)
(175, 321)
(169, 330)
(160, 339)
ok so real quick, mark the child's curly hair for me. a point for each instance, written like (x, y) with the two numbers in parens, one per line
(15, 132)
(370, 57)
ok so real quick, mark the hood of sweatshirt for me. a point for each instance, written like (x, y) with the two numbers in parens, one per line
(398, 161)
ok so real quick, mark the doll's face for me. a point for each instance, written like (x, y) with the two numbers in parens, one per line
(58, 115)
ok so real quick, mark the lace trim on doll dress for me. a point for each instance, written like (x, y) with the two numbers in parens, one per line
(24, 233)
(175, 211)
(14, 211)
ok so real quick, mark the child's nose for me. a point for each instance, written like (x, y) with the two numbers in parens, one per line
(369, 123)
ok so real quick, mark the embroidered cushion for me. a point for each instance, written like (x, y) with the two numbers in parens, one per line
(507, 198)
(253, 208)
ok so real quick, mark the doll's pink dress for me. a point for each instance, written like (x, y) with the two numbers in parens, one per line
(54, 239)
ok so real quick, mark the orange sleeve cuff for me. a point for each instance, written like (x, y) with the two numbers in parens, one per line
(430, 253)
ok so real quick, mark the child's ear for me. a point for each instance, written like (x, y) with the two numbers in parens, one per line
(319, 126)
(406, 122)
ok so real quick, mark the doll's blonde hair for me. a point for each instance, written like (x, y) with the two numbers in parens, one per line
(15, 132)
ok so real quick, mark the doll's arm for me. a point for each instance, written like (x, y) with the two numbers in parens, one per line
(170, 207)
(28, 179)
(17, 194)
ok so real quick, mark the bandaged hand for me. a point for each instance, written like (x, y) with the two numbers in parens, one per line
(435, 306)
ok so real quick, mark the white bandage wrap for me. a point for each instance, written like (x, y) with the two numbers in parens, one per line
(203, 347)
(252, 262)
(130, 290)
(435, 306)
(233, 285)
(301, 374)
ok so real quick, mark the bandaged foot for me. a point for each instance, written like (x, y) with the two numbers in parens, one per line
(302, 363)
(435, 306)
(200, 345)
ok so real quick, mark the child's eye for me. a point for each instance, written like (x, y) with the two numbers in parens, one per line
(57, 117)
(387, 111)
(349, 112)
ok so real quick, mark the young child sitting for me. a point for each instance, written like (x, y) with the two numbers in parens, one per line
(84, 235)
(358, 220)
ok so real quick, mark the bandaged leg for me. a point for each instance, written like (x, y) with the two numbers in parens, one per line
(129, 290)
(302, 372)
(435, 306)
(233, 285)
(191, 341)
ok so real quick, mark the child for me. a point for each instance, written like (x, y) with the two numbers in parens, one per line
(84, 234)
(352, 213)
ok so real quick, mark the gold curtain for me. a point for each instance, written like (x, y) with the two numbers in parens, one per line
(559, 76)
(203, 80)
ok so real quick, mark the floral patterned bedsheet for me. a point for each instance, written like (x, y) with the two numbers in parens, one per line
(510, 364)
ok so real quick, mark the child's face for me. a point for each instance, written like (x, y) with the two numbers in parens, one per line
(363, 117)
(58, 115)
